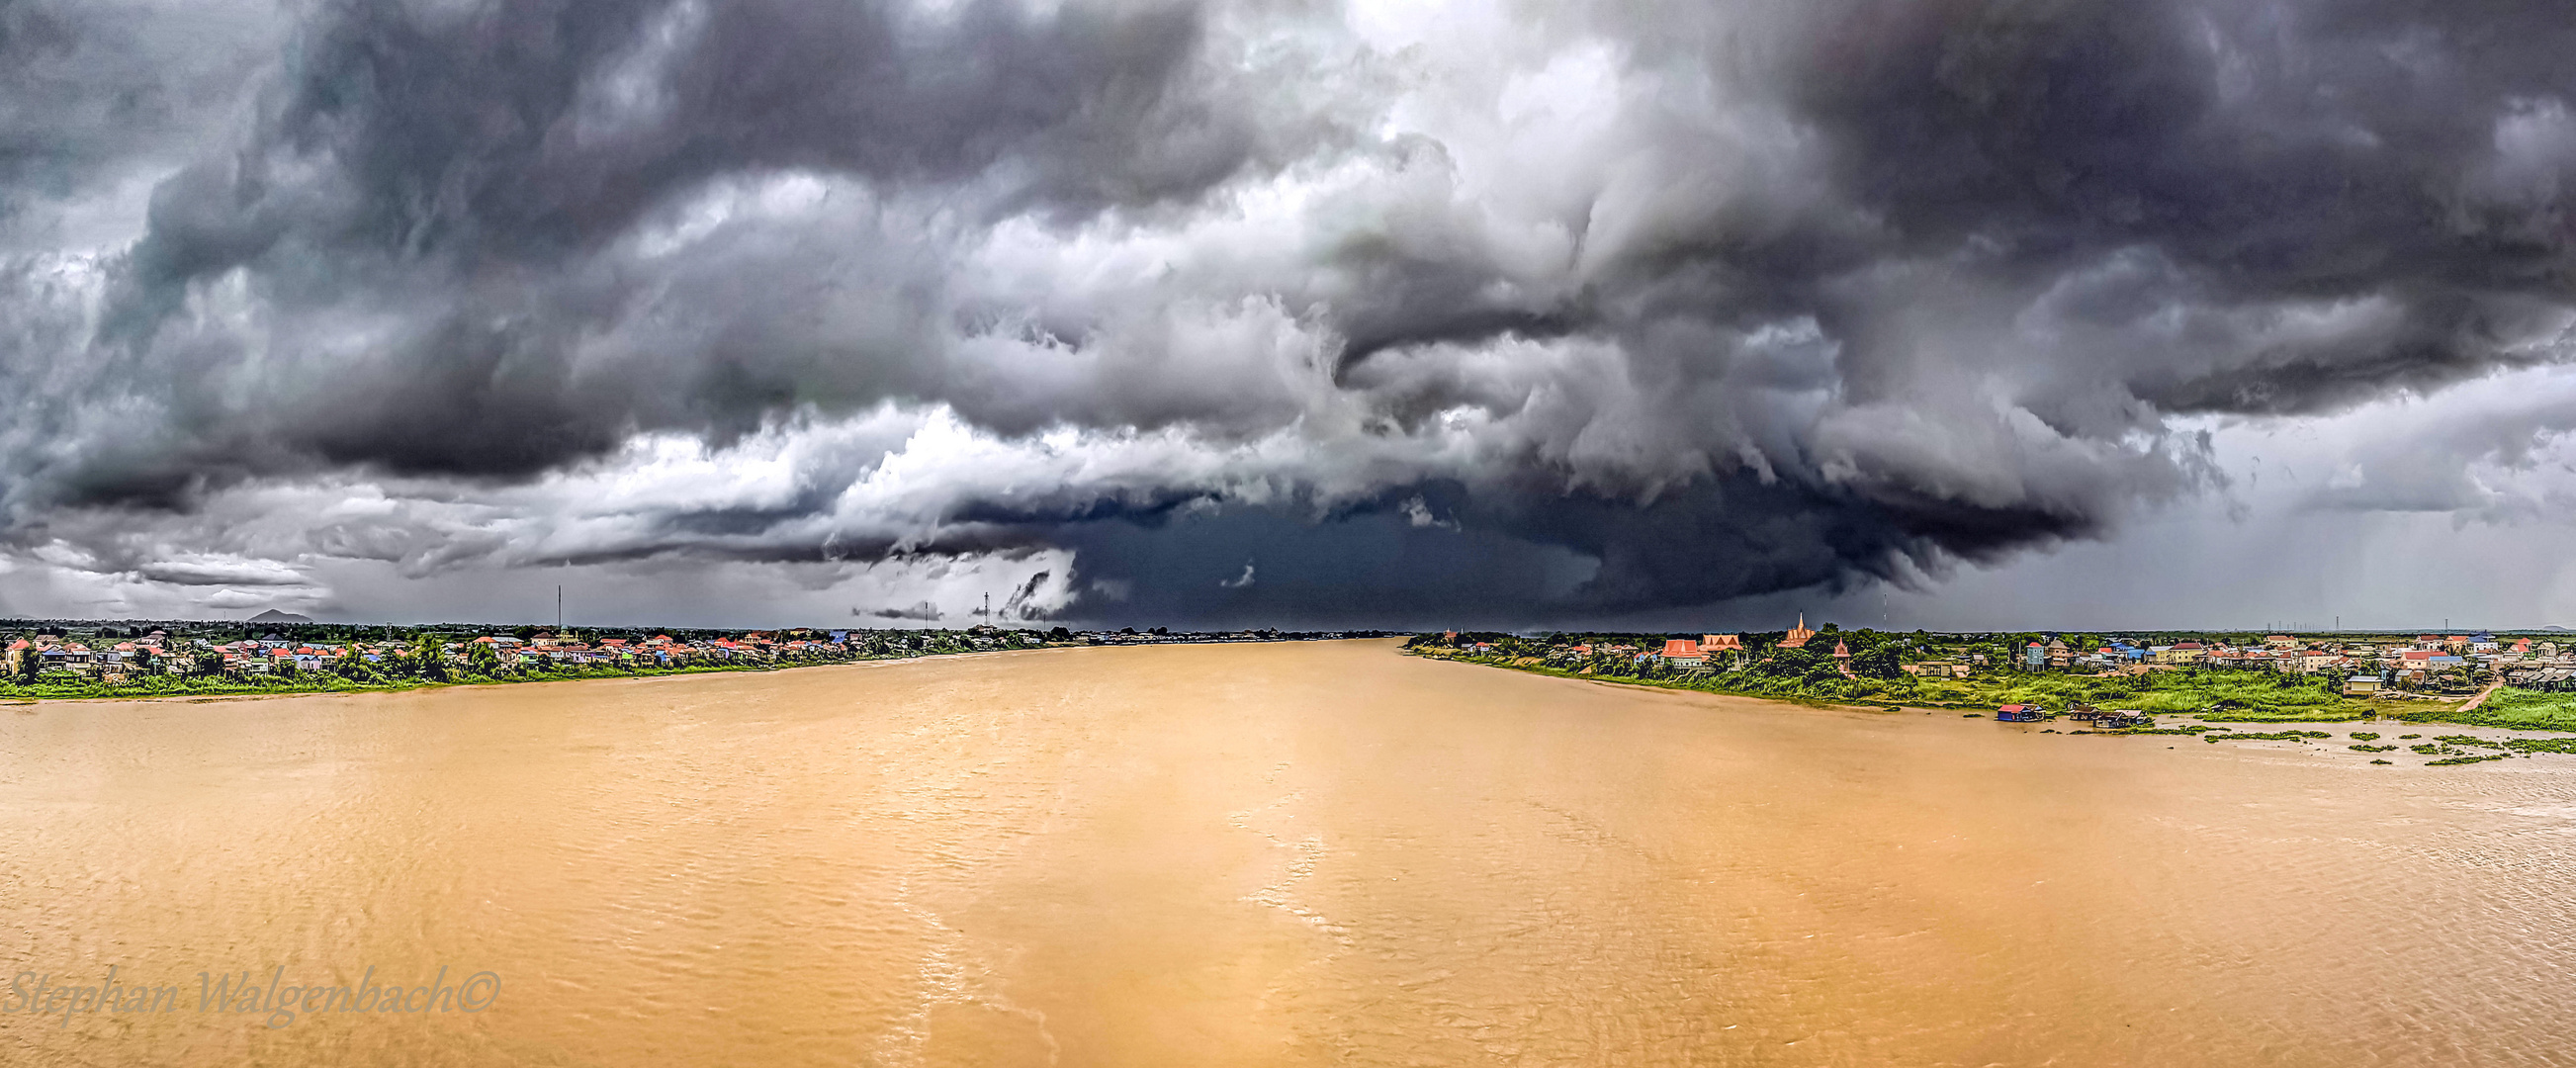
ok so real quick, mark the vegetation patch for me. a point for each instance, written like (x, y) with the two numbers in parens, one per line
(2266, 736)
(2508, 706)
(2473, 758)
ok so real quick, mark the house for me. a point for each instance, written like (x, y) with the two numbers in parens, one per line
(1683, 652)
(2281, 641)
(2018, 713)
(2185, 652)
(2057, 652)
(2034, 656)
(1721, 643)
(2428, 660)
(2361, 685)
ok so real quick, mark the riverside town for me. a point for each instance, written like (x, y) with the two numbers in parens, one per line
(147, 658)
(2114, 683)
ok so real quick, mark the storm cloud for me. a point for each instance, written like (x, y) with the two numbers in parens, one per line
(1263, 311)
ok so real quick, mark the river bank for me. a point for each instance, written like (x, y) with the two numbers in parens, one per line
(194, 689)
(2213, 703)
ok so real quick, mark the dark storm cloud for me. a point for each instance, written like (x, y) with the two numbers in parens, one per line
(460, 173)
(1715, 300)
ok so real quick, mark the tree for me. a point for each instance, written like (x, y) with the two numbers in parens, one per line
(1879, 662)
(1792, 663)
(429, 657)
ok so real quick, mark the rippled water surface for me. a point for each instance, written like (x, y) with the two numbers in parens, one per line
(1267, 854)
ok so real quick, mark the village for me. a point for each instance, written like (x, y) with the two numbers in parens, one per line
(111, 657)
(51, 657)
(2529, 678)
(2359, 667)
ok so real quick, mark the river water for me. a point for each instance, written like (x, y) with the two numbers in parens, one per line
(1285, 854)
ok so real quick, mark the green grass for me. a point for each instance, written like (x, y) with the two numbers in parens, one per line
(2211, 696)
(2509, 707)
(2216, 696)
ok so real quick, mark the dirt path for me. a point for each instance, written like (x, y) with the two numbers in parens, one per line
(2481, 698)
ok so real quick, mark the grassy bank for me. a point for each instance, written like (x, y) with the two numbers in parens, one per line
(2214, 696)
(2529, 710)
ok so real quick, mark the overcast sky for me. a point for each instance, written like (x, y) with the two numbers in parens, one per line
(1969, 313)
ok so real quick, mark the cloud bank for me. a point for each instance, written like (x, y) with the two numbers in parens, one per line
(1408, 309)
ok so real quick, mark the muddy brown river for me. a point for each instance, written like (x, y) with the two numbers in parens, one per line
(1281, 854)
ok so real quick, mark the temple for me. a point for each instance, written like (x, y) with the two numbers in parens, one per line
(1797, 638)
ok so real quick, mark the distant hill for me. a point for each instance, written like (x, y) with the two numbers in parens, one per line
(275, 616)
